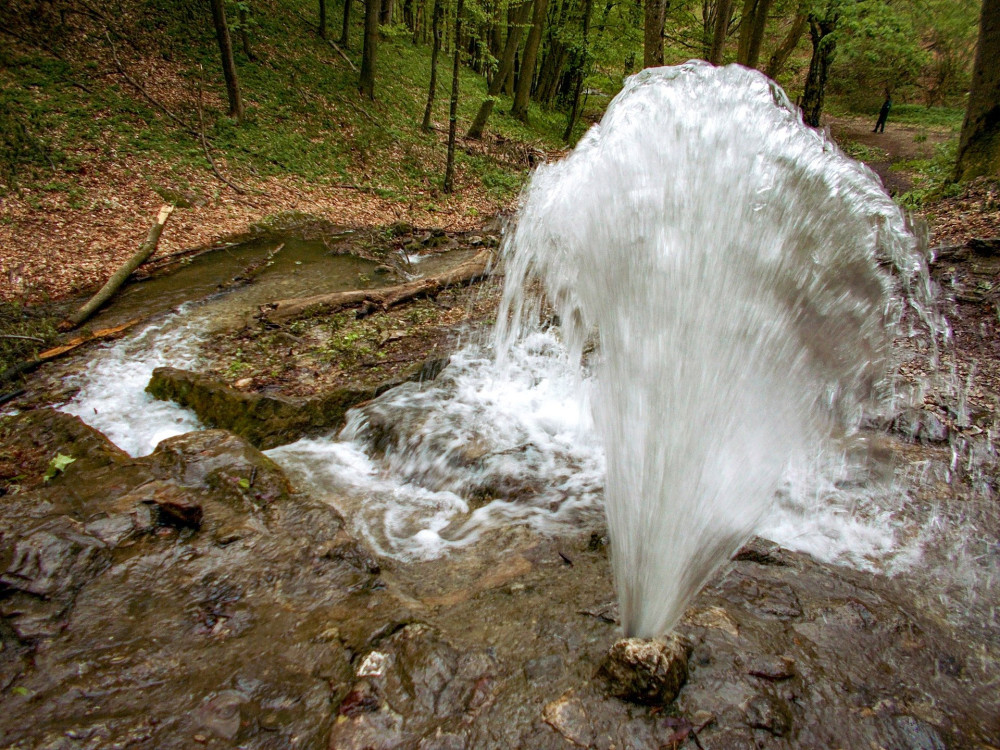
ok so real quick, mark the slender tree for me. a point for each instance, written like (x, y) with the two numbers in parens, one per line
(723, 15)
(449, 170)
(346, 28)
(822, 28)
(580, 72)
(435, 50)
(752, 27)
(655, 11)
(784, 50)
(322, 18)
(522, 90)
(367, 84)
(388, 6)
(228, 63)
(242, 10)
(979, 143)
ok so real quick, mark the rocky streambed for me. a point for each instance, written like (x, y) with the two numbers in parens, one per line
(196, 597)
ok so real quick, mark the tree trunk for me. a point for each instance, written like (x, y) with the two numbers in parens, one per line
(113, 284)
(228, 63)
(752, 27)
(723, 14)
(503, 73)
(652, 36)
(435, 50)
(346, 29)
(244, 34)
(408, 16)
(367, 84)
(322, 18)
(548, 72)
(495, 37)
(449, 170)
(780, 56)
(979, 144)
(522, 93)
(582, 68)
(824, 44)
(388, 6)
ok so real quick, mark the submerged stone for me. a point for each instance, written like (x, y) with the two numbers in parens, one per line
(646, 671)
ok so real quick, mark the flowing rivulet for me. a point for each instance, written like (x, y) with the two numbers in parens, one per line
(738, 275)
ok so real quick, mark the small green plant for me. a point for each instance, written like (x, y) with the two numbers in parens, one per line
(863, 152)
(57, 466)
(932, 177)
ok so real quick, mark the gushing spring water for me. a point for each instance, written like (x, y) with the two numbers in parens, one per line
(735, 275)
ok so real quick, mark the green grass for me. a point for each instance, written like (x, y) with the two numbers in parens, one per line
(304, 119)
(931, 177)
(948, 118)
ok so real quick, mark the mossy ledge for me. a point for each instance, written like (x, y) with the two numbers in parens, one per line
(266, 420)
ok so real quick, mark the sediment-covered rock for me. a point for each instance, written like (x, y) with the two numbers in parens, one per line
(268, 420)
(650, 671)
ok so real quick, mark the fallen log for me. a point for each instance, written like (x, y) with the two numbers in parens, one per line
(370, 300)
(145, 250)
(23, 368)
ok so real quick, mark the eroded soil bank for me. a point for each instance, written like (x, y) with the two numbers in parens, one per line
(194, 598)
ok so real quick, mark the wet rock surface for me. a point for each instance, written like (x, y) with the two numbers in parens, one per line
(267, 420)
(649, 671)
(192, 598)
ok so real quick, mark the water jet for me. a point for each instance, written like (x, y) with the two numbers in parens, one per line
(737, 279)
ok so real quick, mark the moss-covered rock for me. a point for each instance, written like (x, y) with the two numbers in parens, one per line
(267, 420)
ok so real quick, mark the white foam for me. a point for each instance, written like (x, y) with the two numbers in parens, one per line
(112, 390)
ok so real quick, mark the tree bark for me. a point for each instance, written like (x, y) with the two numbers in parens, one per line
(752, 27)
(385, 17)
(522, 92)
(652, 33)
(435, 50)
(474, 269)
(228, 63)
(346, 29)
(322, 18)
(367, 84)
(824, 44)
(147, 248)
(979, 143)
(504, 71)
(723, 14)
(780, 56)
(581, 69)
(449, 169)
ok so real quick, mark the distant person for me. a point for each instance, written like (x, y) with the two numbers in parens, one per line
(883, 115)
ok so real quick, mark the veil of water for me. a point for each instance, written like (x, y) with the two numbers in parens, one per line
(734, 273)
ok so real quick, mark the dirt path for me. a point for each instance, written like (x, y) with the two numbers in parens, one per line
(899, 143)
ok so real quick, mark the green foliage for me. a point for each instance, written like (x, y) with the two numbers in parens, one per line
(932, 177)
(57, 466)
(305, 119)
(946, 118)
(864, 153)
(879, 48)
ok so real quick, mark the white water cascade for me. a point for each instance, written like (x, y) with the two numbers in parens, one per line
(735, 276)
